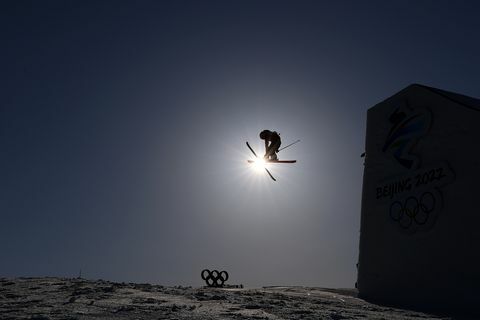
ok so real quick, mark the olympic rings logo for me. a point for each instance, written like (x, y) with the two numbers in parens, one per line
(413, 209)
(214, 278)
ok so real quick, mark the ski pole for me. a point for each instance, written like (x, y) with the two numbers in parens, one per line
(288, 145)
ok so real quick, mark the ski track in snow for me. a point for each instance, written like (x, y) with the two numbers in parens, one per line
(61, 298)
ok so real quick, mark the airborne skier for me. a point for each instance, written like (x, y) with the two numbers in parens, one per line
(272, 143)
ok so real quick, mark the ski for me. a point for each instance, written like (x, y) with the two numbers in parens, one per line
(248, 145)
(275, 161)
(269, 173)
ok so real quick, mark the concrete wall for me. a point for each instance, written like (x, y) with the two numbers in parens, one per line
(420, 219)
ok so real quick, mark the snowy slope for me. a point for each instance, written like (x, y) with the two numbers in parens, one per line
(58, 298)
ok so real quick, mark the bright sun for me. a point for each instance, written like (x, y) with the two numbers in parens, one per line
(259, 164)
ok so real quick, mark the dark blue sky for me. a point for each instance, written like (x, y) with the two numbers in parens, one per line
(123, 129)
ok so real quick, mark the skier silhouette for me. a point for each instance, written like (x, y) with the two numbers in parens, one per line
(272, 143)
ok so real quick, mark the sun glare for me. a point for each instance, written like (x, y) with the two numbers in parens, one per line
(259, 164)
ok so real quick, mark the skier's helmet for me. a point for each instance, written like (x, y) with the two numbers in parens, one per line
(264, 134)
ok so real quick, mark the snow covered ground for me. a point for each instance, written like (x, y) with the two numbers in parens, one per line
(59, 298)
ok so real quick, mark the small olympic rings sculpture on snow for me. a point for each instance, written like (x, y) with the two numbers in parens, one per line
(413, 209)
(214, 278)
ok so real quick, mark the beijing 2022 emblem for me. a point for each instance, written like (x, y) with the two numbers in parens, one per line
(412, 200)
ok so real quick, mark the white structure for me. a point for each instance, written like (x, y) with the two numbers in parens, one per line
(420, 220)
